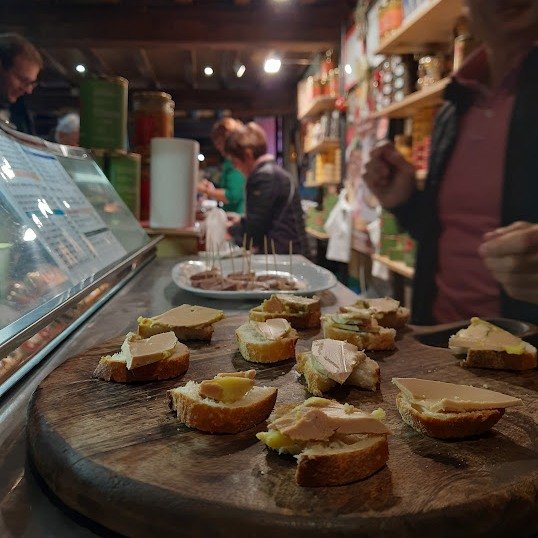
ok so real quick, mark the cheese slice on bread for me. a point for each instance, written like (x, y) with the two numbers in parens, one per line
(359, 328)
(487, 346)
(334, 362)
(151, 359)
(449, 410)
(267, 341)
(333, 443)
(228, 403)
(385, 310)
(300, 312)
(186, 321)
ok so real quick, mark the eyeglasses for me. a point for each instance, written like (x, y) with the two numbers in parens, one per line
(25, 83)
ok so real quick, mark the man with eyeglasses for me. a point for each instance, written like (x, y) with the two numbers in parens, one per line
(20, 64)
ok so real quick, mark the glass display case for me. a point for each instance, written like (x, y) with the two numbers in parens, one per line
(67, 241)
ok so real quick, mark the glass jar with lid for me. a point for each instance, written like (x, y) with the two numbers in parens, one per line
(153, 117)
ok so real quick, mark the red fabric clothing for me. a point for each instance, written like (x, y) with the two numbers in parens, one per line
(470, 197)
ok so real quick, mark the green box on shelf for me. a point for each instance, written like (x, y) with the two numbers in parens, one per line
(388, 242)
(396, 254)
(389, 224)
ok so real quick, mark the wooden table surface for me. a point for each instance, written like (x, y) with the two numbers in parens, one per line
(116, 454)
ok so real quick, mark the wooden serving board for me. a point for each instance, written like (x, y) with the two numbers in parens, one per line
(117, 454)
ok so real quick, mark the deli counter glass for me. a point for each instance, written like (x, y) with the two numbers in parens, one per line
(67, 242)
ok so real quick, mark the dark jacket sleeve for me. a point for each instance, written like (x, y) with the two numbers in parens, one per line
(408, 215)
(262, 193)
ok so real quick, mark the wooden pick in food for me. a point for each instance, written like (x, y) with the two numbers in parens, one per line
(266, 254)
(220, 266)
(230, 245)
(274, 254)
(291, 261)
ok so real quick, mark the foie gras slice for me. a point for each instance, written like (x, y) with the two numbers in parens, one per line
(334, 358)
(273, 329)
(384, 305)
(438, 396)
(482, 335)
(187, 315)
(318, 419)
(141, 351)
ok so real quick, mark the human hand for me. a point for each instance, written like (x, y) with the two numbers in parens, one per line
(389, 176)
(205, 186)
(511, 254)
(233, 218)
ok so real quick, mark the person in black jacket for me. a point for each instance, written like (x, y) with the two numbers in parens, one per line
(273, 205)
(476, 221)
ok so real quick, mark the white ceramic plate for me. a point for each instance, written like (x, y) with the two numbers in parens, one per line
(311, 278)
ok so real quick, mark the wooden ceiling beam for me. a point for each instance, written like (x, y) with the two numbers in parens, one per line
(96, 62)
(289, 27)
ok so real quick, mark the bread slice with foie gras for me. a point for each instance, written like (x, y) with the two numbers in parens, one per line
(334, 443)
(267, 341)
(487, 346)
(333, 362)
(188, 322)
(449, 410)
(385, 310)
(300, 312)
(228, 403)
(145, 359)
(359, 328)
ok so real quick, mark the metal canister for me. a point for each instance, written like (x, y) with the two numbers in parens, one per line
(123, 172)
(153, 118)
(103, 112)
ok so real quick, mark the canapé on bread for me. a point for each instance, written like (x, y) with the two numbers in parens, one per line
(334, 444)
(267, 341)
(333, 362)
(233, 411)
(186, 321)
(148, 362)
(385, 310)
(448, 410)
(487, 346)
(359, 328)
(300, 312)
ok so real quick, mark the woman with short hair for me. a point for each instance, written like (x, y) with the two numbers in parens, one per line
(273, 204)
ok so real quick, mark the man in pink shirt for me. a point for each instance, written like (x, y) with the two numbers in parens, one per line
(476, 220)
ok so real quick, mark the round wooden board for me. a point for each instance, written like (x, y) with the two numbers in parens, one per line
(117, 454)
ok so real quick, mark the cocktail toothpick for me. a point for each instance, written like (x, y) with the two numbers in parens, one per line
(291, 261)
(274, 254)
(266, 254)
(231, 256)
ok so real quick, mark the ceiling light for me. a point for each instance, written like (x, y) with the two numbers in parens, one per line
(201, 157)
(348, 69)
(272, 65)
(241, 71)
(208, 70)
(80, 68)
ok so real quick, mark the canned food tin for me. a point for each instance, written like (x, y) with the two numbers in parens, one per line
(103, 112)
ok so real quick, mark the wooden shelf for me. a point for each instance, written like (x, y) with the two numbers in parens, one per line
(397, 267)
(433, 22)
(429, 96)
(318, 106)
(321, 184)
(317, 234)
(324, 145)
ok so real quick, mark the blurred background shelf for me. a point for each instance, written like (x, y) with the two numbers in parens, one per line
(396, 267)
(318, 106)
(324, 145)
(430, 24)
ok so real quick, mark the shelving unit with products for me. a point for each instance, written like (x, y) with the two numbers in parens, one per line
(411, 47)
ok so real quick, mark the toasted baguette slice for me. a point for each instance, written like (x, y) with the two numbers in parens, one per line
(301, 312)
(256, 348)
(382, 340)
(186, 321)
(212, 416)
(341, 461)
(114, 367)
(501, 360)
(486, 345)
(386, 311)
(447, 425)
(365, 375)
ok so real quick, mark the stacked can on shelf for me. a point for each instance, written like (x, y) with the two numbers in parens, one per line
(103, 130)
